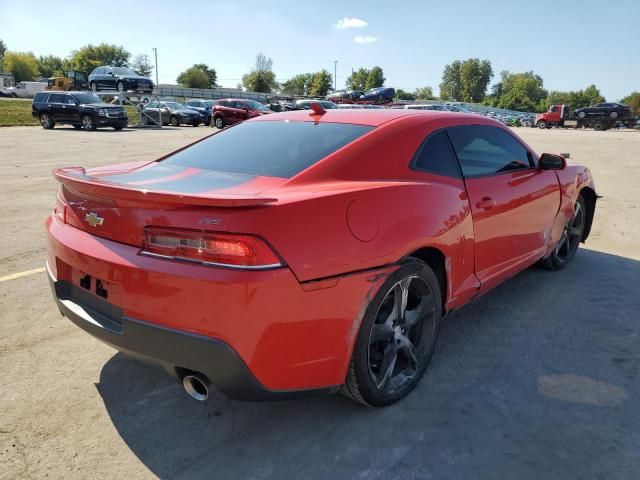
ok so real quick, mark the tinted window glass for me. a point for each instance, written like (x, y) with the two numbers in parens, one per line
(87, 98)
(276, 149)
(56, 98)
(68, 99)
(435, 156)
(484, 150)
(40, 97)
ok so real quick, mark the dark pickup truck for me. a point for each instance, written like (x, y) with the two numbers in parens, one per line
(80, 109)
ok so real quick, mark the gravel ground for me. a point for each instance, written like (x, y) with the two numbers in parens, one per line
(537, 379)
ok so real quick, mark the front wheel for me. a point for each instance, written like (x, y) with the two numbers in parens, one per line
(88, 123)
(542, 124)
(397, 337)
(567, 246)
(93, 86)
(120, 86)
(613, 115)
(218, 122)
(581, 114)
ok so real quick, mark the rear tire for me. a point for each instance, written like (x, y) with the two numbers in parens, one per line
(46, 121)
(581, 114)
(174, 121)
(93, 86)
(569, 242)
(120, 86)
(397, 337)
(613, 115)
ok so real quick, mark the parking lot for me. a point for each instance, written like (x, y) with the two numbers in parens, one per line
(538, 379)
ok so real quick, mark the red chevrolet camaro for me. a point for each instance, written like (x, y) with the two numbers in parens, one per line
(309, 252)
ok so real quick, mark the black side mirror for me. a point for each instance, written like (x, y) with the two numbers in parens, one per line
(549, 161)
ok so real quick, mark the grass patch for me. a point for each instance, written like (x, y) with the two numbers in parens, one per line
(16, 112)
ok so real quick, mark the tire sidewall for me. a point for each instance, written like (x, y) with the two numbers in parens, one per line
(554, 260)
(218, 120)
(361, 349)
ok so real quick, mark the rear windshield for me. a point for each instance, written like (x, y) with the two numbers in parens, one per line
(268, 148)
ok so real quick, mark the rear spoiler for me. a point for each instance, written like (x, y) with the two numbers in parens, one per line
(77, 179)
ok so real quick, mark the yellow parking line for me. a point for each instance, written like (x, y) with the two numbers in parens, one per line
(13, 276)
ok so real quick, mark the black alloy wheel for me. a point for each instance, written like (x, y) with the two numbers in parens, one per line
(397, 337)
(570, 239)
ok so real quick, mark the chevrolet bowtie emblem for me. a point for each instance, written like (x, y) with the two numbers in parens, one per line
(93, 219)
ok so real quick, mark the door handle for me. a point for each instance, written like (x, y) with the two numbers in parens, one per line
(487, 203)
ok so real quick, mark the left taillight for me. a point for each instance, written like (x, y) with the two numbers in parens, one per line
(208, 248)
(60, 208)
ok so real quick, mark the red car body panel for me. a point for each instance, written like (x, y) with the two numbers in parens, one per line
(340, 226)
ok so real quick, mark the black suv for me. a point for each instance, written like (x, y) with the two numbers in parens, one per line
(119, 78)
(82, 110)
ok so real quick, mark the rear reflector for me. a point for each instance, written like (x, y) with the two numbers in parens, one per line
(220, 249)
(60, 208)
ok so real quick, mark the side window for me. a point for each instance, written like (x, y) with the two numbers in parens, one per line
(435, 156)
(554, 109)
(239, 105)
(484, 150)
(56, 98)
(69, 100)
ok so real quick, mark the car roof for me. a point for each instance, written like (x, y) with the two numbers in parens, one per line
(372, 117)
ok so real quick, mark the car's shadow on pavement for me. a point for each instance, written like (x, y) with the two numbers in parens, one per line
(537, 379)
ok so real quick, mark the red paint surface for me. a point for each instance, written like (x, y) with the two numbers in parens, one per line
(337, 226)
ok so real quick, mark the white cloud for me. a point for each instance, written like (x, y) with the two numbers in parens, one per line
(347, 22)
(365, 39)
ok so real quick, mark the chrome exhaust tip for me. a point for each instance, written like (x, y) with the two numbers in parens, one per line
(196, 386)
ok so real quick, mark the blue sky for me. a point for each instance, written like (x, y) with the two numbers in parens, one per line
(412, 41)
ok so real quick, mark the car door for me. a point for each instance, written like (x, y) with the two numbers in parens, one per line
(70, 110)
(152, 111)
(241, 111)
(108, 79)
(56, 101)
(513, 203)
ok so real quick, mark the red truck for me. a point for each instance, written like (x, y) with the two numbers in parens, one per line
(598, 117)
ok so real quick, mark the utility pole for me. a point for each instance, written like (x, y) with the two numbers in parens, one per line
(335, 77)
(155, 51)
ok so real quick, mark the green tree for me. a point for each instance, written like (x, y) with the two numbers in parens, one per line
(92, 56)
(211, 74)
(451, 86)
(261, 78)
(297, 85)
(50, 65)
(142, 64)
(3, 50)
(402, 95)
(23, 66)
(358, 79)
(573, 99)
(633, 100)
(521, 91)
(193, 78)
(320, 83)
(424, 93)
(375, 78)
(466, 80)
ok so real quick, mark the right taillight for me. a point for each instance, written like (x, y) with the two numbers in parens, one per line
(208, 248)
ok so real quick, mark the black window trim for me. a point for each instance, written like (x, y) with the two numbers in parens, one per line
(414, 160)
(532, 163)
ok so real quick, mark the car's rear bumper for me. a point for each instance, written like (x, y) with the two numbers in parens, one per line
(260, 332)
(178, 352)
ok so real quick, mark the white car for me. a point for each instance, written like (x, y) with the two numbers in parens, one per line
(27, 89)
